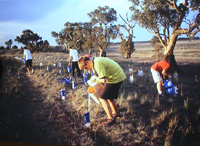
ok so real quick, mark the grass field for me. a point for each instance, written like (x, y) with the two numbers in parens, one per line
(32, 111)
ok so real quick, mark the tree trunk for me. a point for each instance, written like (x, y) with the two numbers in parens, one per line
(169, 55)
(130, 47)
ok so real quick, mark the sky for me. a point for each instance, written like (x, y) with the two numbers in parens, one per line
(44, 16)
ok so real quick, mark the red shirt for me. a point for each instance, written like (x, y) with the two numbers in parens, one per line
(160, 66)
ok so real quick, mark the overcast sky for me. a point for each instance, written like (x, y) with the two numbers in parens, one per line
(45, 16)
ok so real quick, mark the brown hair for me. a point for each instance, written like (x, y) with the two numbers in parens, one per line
(81, 61)
(100, 47)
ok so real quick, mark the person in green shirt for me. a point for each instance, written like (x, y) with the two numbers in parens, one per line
(111, 75)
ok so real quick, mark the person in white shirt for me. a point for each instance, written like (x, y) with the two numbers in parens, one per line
(73, 59)
(28, 57)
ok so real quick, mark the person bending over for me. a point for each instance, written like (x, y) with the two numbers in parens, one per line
(111, 75)
(158, 70)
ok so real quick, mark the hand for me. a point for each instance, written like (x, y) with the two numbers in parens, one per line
(93, 78)
(69, 64)
(162, 82)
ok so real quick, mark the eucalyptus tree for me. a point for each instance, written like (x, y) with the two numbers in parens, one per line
(168, 19)
(103, 18)
(29, 39)
(72, 34)
(46, 45)
(58, 40)
(157, 48)
(8, 44)
(127, 44)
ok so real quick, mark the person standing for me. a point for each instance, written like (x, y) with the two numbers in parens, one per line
(102, 52)
(111, 75)
(73, 60)
(28, 57)
(158, 70)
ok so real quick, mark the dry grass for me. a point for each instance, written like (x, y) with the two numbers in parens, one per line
(146, 119)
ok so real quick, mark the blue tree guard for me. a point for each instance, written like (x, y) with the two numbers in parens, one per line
(64, 81)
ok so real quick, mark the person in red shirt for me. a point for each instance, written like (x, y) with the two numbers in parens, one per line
(158, 70)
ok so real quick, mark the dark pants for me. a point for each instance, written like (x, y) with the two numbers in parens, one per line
(75, 65)
(110, 91)
(29, 63)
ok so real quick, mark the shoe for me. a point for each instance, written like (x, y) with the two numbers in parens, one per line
(108, 122)
(162, 95)
(116, 115)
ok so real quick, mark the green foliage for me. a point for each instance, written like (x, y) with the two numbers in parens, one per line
(2, 48)
(14, 47)
(103, 15)
(8, 44)
(32, 41)
(158, 53)
(164, 18)
(89, 35)
(125, 48)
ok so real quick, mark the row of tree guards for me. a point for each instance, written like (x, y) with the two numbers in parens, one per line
(65, 70)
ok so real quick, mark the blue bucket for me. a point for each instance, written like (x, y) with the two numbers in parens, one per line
(64, 81)
(69, 69)
(170, 88)
(168, 84)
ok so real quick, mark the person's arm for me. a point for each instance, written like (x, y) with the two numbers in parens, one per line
(164, 73)
(95, 78)
(24, 56)
(100, 54)
(70, 57)
(70, 60)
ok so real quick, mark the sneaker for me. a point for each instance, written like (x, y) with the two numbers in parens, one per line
(108, 122)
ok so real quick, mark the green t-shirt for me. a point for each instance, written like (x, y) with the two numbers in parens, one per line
(110, 69)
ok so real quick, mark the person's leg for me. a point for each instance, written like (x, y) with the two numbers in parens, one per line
(28, 66)
(159, 87)
(28, 69)
(158, 80)
(77, 68)
(113, 106)
(106, 107)
(73, 69)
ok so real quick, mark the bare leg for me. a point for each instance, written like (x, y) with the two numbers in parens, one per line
(159, 84)
(106, 107)
(113, 106)
(28, 70)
